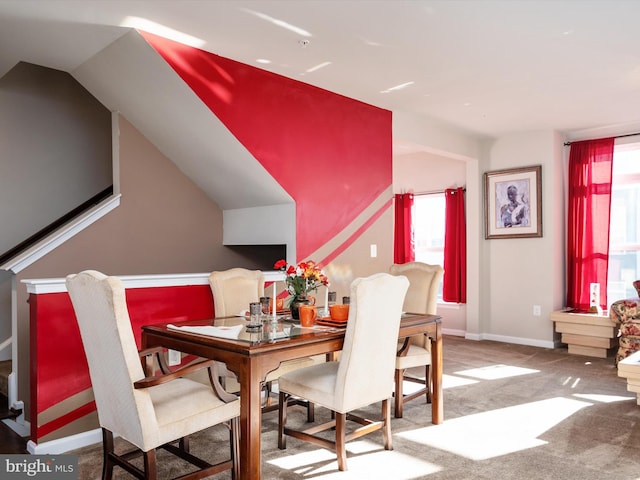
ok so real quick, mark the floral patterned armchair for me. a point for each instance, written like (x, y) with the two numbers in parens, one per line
(626, 313)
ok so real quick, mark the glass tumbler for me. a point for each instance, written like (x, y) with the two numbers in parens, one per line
(255, 315)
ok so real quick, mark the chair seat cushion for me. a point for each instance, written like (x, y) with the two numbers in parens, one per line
(316, 383)
(416, 356)
(171, 400)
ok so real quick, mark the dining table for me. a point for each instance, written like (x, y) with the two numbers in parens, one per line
(251, 354)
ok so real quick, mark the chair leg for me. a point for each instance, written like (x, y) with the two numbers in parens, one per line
(107, 448)
(311, 412)
(386, 428)
(268, 388)
(341, 451)
(427, 382)
(398, 396)
(150, 467)
(234, 442)
(184, 444)
(282, 420)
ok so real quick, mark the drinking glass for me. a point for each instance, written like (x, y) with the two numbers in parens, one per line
(255, 315)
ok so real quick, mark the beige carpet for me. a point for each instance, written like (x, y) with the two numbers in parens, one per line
(511, 412)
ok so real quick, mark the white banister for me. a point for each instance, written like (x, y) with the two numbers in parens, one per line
(56, 285)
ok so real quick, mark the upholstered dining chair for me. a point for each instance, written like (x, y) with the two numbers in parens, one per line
(232, 291)
(422, 296)
(147, 409)
(415, 351)
(362, 376)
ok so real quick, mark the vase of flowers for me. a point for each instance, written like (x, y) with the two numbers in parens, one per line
(301, 279)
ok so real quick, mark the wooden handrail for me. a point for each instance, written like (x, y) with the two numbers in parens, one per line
(36, 237)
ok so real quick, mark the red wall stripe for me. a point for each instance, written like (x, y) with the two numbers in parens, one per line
(66, 419)
(352, 238)
(59, 368)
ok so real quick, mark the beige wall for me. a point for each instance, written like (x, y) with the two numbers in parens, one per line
(164, 224)
(524, 272)
(422, 171)
(356, 260)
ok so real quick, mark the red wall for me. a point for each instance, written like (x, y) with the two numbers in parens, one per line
(329, 152)
(58, 365)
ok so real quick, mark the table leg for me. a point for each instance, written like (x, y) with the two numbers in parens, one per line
(437, 400)
(250, 422)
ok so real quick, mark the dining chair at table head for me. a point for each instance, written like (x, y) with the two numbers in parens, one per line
(234, 289)
(365, 372)
(147, 409)
(422, 297)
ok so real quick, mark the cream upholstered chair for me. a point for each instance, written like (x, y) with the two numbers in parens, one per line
(362, 376)
(149, 411)
(424, 281)
(232, 291)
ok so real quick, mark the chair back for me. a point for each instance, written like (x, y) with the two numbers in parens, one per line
(234, 289)
(366, 371)
(114, 364)
(424, 281)
(422, 296)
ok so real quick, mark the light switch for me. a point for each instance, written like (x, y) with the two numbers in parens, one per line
(374, 250)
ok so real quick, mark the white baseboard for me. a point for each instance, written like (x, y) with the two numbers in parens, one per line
(22, 429)
(453, 332)
(515, 340)
(66, 444)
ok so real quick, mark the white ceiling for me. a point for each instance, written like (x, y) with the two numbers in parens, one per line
(487, 67)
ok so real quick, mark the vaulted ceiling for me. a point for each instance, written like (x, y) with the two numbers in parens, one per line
(486, 67)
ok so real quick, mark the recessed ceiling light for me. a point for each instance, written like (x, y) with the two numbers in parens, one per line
(279, 23)
(263, 60)
(397, 87)
(318, 67)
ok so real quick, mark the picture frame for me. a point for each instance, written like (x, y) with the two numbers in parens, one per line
(513, 203)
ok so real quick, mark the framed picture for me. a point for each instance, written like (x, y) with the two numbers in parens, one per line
(513, 203)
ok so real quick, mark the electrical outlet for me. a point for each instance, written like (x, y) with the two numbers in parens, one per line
(175, 358)
(537, 310)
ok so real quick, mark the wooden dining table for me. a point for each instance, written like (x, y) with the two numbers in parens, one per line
(254, 354)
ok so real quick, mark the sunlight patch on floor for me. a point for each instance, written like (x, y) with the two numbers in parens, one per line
(593, 397)
(364, 459)
(497, 432)
(494, 372)
(448, 381)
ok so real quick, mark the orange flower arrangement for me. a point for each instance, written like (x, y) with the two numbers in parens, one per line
(302, 278)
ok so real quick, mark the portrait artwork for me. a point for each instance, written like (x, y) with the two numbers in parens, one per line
(513, 203)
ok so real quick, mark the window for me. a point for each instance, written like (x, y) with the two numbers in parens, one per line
(624, 223)
(428, 225)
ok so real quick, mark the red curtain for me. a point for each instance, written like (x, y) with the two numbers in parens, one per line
(590, 170)
(454, 284)
(403, 244)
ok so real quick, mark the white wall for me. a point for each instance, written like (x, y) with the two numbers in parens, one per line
(506, 277)
(523, 272)
(426, 172)
(440, 142)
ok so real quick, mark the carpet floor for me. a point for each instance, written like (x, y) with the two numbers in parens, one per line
(511, 412)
